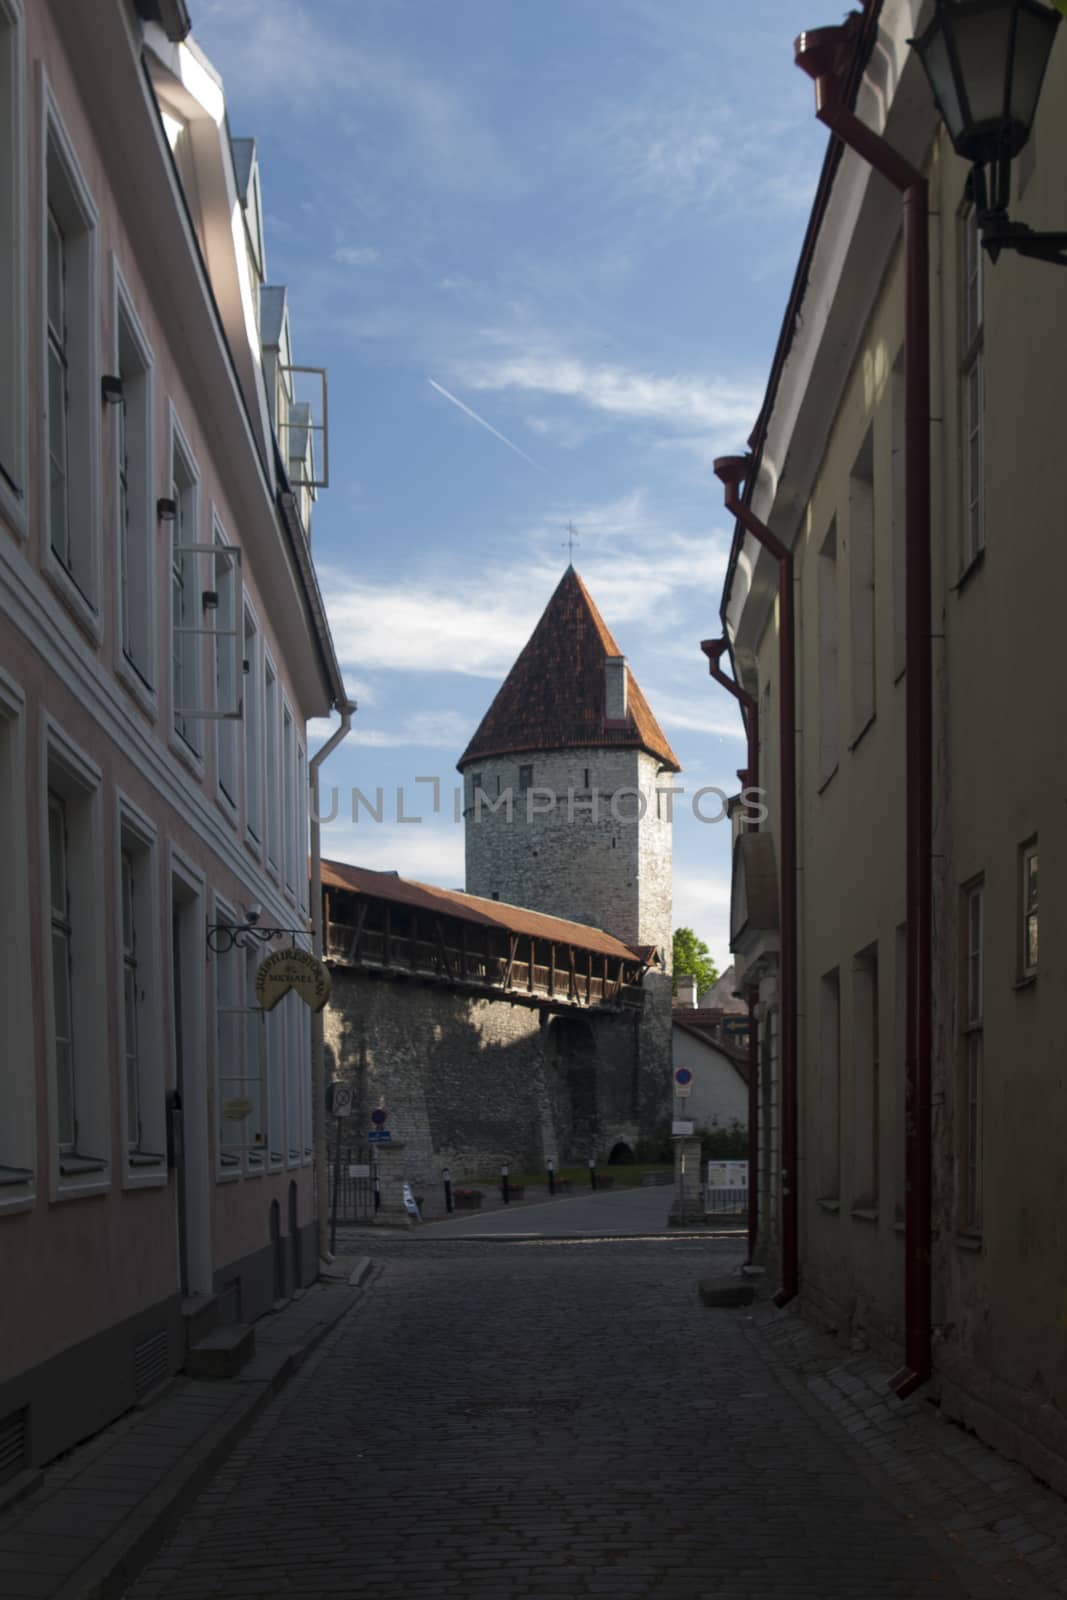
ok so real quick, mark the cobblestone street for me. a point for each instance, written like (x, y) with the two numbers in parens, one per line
(540, 1419)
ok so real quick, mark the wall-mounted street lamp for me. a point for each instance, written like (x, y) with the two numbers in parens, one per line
(986, 61)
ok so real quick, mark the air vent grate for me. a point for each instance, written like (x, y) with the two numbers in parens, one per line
(13, 1438)
(150, 1363)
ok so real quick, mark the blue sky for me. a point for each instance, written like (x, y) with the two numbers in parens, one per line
(580, 218)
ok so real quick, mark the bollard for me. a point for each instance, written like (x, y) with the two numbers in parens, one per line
(551, 1177)
(449, 1203)
(592, 1172)
(504, 1192)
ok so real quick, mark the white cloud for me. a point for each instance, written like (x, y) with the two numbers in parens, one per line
(430, 851)
(694, 715)
(350, 255)
(682, 401)
(702, 902)
(641, 570)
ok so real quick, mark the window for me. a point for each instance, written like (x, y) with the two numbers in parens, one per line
(184, 595)
(585, 778)
(274, 1045)
(18, 1155)
(828, 634)
(294, 1023)
(302, 885)
(271, 774)
(254, 1064)
(139, 1012)
(241, 1060)
(525, 779)
(252, 730)
(830, 1086)
(75, 977)
(133, 469)
(866, 1087)
(972, 387)
(71, 368)
(226, 626)
(288, 800)
(12, 285)
(972, 1011)
(476, 784)
(62, 1008)
(1028, 909)
(861, 587)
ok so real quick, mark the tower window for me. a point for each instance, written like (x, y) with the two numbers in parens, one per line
(525, 779)
(585, 778)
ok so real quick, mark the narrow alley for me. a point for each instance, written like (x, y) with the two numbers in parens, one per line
(552, 1417)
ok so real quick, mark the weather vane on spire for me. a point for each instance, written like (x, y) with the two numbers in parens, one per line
(570, 541)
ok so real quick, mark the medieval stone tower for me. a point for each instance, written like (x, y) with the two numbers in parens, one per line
(564, 799)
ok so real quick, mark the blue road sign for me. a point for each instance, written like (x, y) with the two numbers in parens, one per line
(379, 1135)
(378, 1117)
(683, 1075)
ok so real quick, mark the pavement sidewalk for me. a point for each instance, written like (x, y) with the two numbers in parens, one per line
(101, 1511)
(991, 1508)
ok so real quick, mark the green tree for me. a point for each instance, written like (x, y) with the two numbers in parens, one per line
(692, 956)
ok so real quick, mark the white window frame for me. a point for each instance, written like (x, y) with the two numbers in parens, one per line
(135, 512)
(184, 531)
(228, 988)
(252, 733)
(70, 773)
(288, 764)
(275, 1052)
(146, 1155)
(66, 196)
(272, 722)
(972, 1008)
(828, 676)
(863, 598)
(972, 390)
(18, 1141)
(226, 635)
(294, 1129)
(1028, 909)
(14, 401)
(255, 1069)
(302, 837)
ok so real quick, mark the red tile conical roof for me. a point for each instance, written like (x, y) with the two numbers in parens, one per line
(553, 697)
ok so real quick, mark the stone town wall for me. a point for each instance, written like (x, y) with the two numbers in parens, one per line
(471, 1083)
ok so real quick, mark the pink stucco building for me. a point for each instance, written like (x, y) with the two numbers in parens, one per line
(162, 647)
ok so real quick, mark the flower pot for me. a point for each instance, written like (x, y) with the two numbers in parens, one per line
(466, 1202)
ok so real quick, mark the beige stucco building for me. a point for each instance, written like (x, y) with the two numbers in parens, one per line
(828, 476)
(162, 646)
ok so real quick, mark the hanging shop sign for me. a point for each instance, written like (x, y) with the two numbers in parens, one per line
(298, 970)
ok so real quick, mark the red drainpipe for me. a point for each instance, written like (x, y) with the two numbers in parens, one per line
(733, 471)
(714, 650)
(826, 55)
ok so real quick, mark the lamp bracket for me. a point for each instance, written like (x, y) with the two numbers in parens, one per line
(999, 233)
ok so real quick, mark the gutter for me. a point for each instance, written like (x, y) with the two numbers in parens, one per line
(318, 1043)
(733, 471)
(714, 649)
(825, 55)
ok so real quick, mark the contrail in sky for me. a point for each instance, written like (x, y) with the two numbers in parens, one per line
(481, 420)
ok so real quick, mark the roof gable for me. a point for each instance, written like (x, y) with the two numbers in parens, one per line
(553, 697)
